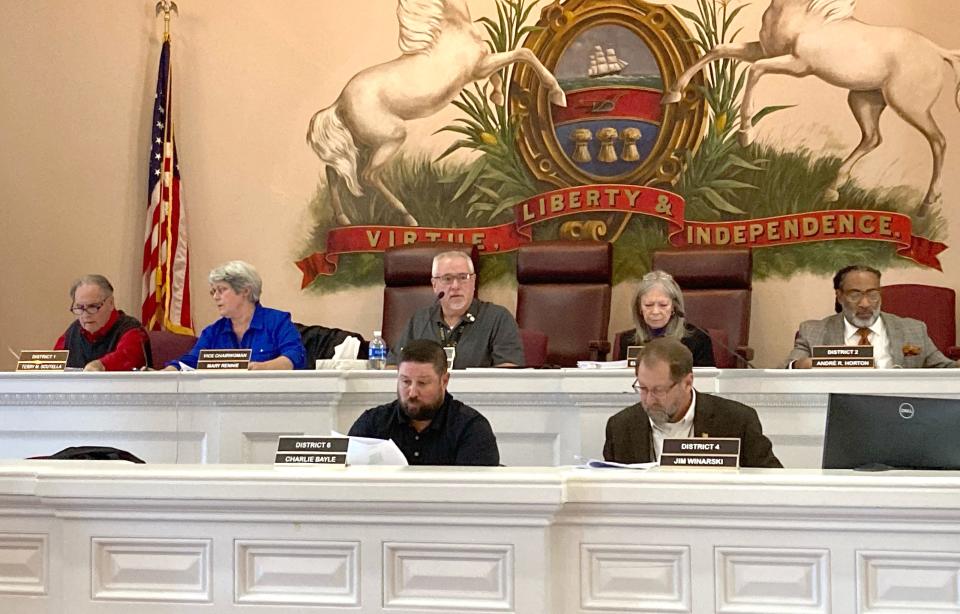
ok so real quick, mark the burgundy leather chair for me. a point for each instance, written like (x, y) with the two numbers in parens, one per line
(564, 292)
(717, 287)
(534, 348)
(935, 306)
(406, 278)
(166, 346)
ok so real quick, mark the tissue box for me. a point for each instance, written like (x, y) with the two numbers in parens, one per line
(341, 364)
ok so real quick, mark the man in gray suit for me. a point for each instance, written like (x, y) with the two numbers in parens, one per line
(896, 341)
(671, 408)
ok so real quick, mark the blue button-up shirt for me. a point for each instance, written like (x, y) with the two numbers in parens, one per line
(271, 334)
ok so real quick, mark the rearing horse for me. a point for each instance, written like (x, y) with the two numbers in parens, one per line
(880, 66)
(442, 52)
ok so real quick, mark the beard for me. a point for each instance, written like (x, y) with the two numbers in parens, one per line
(421, 410)
(659, 413)
(859, 322)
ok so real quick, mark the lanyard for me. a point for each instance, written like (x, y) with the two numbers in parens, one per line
(450, 338)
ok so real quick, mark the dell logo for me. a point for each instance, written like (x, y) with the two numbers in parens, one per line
(906, 411)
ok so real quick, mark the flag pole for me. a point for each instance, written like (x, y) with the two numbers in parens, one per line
(166, 302)
(161, 283)
(166, 7)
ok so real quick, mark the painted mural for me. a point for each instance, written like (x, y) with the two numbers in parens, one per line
(624, 121)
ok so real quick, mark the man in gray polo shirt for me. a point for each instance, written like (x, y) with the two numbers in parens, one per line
(483, 334)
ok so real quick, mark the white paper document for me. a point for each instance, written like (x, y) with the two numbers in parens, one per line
(603, 464)
(372, 451)
(601, 364)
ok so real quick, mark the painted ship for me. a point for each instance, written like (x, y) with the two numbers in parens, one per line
(603, 63)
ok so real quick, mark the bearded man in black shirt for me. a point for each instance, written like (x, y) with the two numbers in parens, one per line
(428, 425)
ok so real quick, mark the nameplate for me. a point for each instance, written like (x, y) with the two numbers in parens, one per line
(708, 452)
(633, 352)
(842, 351)
(42, 360)
(843, 363)
(306, 450)
(224, 360)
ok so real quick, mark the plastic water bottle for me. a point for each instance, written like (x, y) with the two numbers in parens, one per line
(377, 353)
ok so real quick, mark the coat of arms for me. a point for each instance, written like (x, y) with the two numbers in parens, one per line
(612, 60)
(620, 120)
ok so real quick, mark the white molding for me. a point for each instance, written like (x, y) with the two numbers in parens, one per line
(898, 582)
(297, 572)
(763, 580)
(151, 569)
(84, 399)
(636, 578)
(294, 401)
(448, 577)
(164, 415)
(520, 540)
(24, 564)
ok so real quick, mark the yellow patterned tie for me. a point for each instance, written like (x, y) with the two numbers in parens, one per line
(864, 336)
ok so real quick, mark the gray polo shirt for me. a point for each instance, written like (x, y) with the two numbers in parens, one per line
(486, 336)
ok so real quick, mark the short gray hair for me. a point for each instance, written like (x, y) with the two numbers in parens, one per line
(452, 254)
(238, 275)
(92, 280)
(662, 280)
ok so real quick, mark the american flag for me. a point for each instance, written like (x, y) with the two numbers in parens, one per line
(166, 273)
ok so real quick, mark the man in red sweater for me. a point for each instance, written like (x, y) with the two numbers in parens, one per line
(102, 338)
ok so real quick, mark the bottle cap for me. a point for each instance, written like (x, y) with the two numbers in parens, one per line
(377, 333)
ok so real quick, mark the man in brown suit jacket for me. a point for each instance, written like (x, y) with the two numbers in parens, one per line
(670, 407)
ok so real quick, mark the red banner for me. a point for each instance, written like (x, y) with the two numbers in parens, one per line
(601, 198)
(814, 226)
(371, 239)
(631, 199)
(613, 102)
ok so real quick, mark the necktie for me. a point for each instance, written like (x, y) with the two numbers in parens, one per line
(864, 336)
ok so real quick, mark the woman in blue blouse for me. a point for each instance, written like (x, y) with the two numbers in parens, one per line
(245, 323)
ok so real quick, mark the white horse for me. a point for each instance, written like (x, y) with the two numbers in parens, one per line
(443, 51)
(880, 66)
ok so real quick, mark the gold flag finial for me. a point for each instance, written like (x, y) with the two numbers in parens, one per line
(166, 7)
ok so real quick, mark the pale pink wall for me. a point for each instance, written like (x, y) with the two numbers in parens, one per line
(77, 81)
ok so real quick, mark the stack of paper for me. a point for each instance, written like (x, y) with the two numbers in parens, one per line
(597, 364)
(604, 464)
(372, 451)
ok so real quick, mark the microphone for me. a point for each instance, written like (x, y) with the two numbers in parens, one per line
(436, 301)
(147, 363)
(736, 353)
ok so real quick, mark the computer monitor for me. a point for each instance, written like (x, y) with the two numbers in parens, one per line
(891, 432)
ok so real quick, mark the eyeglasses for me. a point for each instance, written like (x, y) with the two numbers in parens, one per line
(658, 391)
(92, 308)
(449, 278)
(855, 296)
(218, 290)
